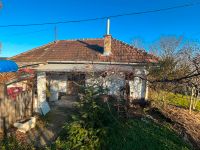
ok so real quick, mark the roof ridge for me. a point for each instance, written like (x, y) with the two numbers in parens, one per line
(127, 44)
(33, 49)
(82, 39)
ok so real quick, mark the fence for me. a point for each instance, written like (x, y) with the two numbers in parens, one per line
(15, 109)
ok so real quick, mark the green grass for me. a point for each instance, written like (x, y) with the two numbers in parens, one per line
(144, 135)
(173, 99)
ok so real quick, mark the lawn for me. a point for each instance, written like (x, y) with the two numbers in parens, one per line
(143, 134)
(139, 134)
(173, 99)
(135, 134)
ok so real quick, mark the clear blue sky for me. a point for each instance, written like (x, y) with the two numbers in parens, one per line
(148, 27)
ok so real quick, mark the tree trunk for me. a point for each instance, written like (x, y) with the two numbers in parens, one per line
(191, 103)
(196, 100)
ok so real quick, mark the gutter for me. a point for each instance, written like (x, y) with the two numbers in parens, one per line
(30, 65)
(95, 62)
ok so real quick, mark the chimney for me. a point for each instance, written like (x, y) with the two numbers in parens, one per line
(107, 40)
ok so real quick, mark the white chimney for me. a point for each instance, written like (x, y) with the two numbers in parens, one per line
(107, 40)
(108, 27)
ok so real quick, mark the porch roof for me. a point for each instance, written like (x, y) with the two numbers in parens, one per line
(84, 68)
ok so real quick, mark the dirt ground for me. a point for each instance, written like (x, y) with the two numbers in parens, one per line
(48, 127)
(188, 125)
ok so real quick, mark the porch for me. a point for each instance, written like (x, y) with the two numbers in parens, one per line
(57, 80)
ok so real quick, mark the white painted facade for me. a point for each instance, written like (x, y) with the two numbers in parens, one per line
(114, 82)
(138, 88)
(41, 90)
(57, 86)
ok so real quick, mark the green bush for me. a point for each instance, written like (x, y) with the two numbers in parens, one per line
(97, 126)
(12, 144)
(90, 124)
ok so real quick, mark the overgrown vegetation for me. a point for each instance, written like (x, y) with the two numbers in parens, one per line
(175, 99)
(97, 126)
(12, 144)
(139, 134)
(178, 71)
(90, 125)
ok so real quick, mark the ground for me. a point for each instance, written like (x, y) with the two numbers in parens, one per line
(145, 127)
(48, 127)
(187, 124)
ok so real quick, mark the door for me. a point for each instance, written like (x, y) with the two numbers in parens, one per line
(73, 83)
(72, 88)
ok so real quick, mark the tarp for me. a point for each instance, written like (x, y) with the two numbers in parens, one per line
(8, 66)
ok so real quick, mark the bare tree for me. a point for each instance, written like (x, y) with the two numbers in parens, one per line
(178, 69)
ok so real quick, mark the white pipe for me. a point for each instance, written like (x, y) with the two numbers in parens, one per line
(108, 27)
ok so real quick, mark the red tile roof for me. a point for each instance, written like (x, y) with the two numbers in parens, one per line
(85, 50)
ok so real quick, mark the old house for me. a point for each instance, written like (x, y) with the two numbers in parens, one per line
(59, 61)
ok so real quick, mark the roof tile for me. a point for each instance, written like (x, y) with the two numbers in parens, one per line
(85, 50)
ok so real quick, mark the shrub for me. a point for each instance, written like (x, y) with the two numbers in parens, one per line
(96, 126)
(11, 144)
(90, 124)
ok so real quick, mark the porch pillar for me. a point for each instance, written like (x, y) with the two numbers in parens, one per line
(138, 85)
(147, 91)
(41, 89)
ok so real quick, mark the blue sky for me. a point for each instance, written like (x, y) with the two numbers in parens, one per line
(147, 27)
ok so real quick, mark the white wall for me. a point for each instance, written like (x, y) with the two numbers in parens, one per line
(41, 89)
(112, 82)
(56, 86)
(138, 85)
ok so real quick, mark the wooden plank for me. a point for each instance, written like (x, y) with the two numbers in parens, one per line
(14, 110)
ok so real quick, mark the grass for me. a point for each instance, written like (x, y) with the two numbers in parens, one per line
(135, 134)
(11, 144)
(144, 134)
(173, 99)
(140, 134)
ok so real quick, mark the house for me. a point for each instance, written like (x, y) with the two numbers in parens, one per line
(59, 61)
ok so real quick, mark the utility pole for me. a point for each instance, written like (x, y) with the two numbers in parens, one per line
(55, 34)
(1, 4)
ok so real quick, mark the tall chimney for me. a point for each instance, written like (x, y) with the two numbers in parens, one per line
(107, 40)
(108, 27)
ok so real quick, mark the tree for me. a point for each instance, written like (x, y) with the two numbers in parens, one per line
(1, 5)
(178, 69)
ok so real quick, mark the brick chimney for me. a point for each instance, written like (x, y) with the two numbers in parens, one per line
(107, 40)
